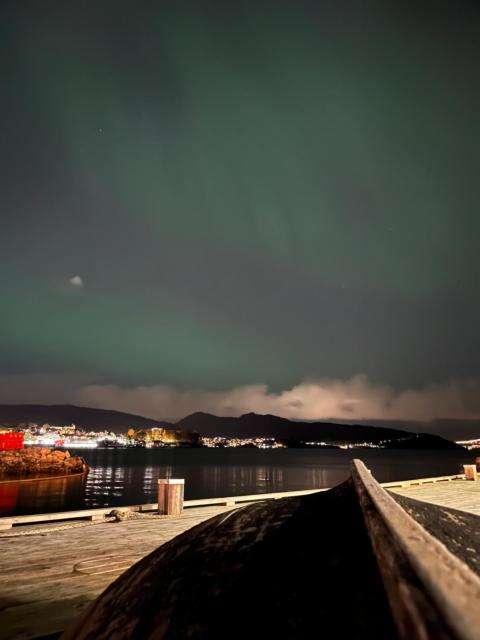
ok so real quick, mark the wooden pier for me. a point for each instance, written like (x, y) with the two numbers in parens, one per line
(46, 580)
(54, 566)
(463, 495)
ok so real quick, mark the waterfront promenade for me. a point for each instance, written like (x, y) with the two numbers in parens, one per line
(51, 571)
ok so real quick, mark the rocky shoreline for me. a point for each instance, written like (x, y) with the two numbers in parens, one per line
(27, 462)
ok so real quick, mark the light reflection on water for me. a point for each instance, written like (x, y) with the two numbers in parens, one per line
(129, 476)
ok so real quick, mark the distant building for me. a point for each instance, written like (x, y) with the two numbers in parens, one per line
(67, 430)
(156, 434)
(179, 437)
(165, 437)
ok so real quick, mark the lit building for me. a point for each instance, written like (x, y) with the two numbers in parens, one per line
(156, 434)
(161, 436)
(69, 430)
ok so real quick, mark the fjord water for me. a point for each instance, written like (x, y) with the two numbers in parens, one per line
(129, 476)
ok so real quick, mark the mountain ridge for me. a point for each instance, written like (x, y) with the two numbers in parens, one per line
(205, 423)
(247, 425)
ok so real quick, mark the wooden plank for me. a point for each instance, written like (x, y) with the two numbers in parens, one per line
(432, 594)
(50, 616)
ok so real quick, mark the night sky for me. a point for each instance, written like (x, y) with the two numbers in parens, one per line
(267, 206)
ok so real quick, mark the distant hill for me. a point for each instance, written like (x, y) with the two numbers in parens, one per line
(422, 441)
(84, 417)
(447, 428)
(247, 425)
(252, 424)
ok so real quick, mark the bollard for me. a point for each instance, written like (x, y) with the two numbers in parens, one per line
(470, 471)
(170, 496)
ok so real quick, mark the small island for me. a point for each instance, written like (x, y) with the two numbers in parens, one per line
(43, 461)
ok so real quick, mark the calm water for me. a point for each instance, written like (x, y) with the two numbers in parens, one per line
(129, 476)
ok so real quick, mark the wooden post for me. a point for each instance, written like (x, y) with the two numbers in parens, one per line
(170, 496)
(470, 471)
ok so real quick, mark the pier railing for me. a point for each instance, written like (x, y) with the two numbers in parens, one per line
(420, 481)
(98, 514)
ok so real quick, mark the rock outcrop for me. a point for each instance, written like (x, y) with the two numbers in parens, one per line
(40, 461)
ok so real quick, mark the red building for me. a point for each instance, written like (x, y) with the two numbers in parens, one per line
(11, 440)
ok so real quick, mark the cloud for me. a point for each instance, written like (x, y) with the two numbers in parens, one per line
(353, 399)
(76, 281)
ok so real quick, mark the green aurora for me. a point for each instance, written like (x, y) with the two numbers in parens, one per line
(251, 193)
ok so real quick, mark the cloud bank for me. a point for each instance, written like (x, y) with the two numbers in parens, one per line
(353, 399)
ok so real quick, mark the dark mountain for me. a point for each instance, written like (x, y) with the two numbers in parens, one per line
(84, 417)
(252, 424)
